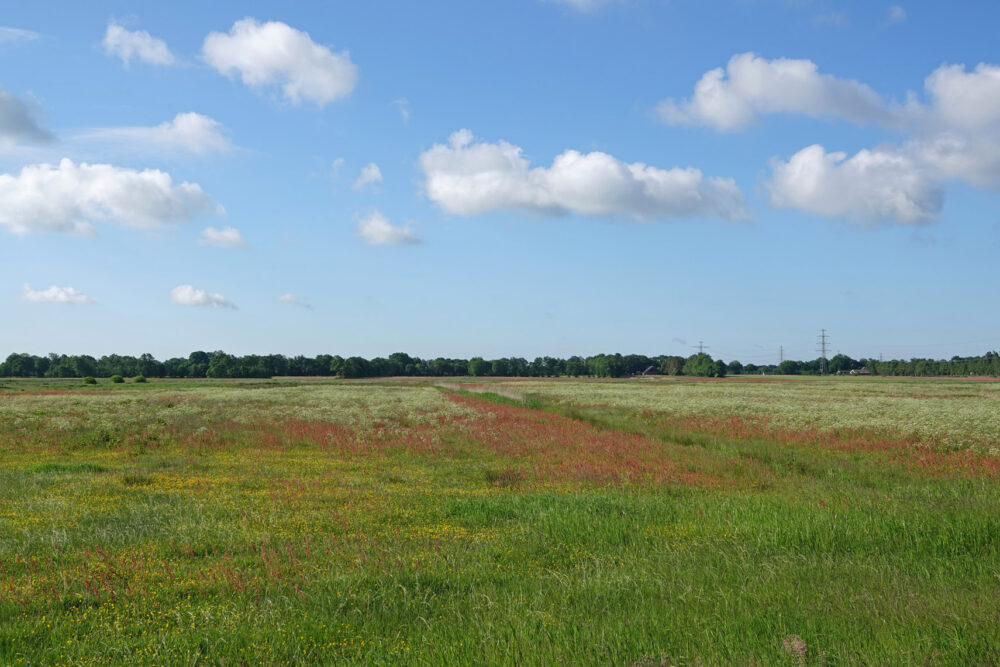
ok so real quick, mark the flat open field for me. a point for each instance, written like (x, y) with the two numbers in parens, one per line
(786, 521)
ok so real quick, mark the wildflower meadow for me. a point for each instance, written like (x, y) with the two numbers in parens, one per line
(635, 522)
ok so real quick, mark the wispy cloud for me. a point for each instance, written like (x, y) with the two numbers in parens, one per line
(55, 294)
(292, 300)
(376, 229)
(188, 295)
(584, 6)
(139, 44)
(370, 175)
(189, 131)
(226, 237)
(19, 121)
(832, 19)
(403, 105)
(9, 35)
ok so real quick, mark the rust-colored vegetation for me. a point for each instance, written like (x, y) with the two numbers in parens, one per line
(564, 449)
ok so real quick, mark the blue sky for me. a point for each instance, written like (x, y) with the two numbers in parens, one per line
(541, 177)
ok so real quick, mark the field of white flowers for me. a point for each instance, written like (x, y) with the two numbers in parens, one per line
(954, 414)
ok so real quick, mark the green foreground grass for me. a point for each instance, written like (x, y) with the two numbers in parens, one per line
(203, 524)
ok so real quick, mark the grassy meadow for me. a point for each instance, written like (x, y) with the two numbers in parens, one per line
(635, 522)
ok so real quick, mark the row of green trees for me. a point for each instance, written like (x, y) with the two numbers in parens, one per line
(223, 365)
(986, 365)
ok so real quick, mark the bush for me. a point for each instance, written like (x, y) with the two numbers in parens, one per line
(117, 379)
(89, 380)
(139, 378)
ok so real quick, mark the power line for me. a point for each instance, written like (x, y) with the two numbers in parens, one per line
(821, 348)
(747, 355)
(781, 353)
(951, 344)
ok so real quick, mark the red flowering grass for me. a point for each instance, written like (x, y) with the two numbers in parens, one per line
(908, 452)
(952, 464)
(759, 427)
(563, 449)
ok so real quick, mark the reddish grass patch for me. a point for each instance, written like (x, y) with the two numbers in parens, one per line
(561, 448)
(910, 452)
(273, 435)
(759, 427)
(951, 464)
(11, 393)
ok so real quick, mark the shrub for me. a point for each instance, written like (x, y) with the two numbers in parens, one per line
(117, 379)
(89, 380)
(139, 378)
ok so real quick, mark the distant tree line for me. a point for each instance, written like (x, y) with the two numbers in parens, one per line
(987, 364)
(222, 365)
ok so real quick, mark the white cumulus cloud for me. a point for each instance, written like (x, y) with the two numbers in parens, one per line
(730, 99)
(370, 174)
(466, 177)
(376, 229)
(960, 156)
(19, 121)
(963, 100)
(870, 186)
(187, 131)
(751, 86)
(139, 44)
(957, 133)
(188, 295)
(226, 237)
(897, 14)
(55, 294)
(71, 197)
(273, 53)
(951, 133)
(953, 136)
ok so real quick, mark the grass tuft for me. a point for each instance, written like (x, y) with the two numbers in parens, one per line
(44, 468)
(503, 477)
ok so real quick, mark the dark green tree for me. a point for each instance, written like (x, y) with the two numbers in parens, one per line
(354, 367)
(479, 367)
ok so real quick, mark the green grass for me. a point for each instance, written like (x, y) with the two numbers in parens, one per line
(66, 468)
(396, 532)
